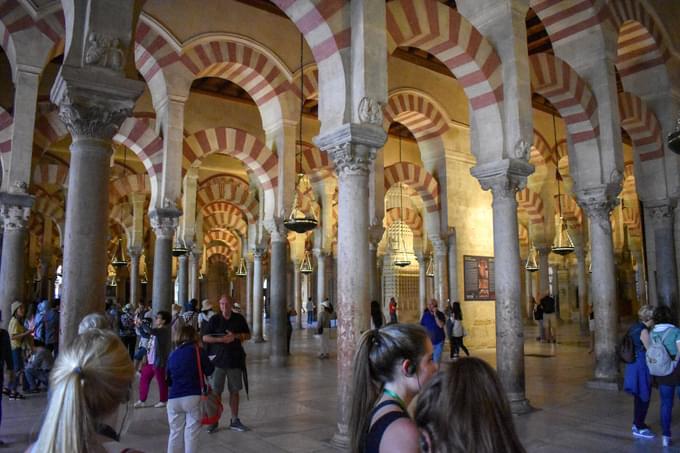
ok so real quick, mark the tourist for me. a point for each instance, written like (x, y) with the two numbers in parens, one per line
(189, 314)
(433, 320)
(392, 307)
(464, 409)
(176, 324)
(90, 386)
(377, 316)
(224, 335)
(456, 331)
(290, 313)
(637, 380)
(19, 338)
(549, 318)
(538, 318)
(666, 332)
(390, 366)
(186, 385)
(47, 326)
(156, 359)
(38, 367)
(5, 363)
(591, 328)
(143, 317)
(112, 313)
(205, 314)
(309, 308)
(324, 322)
(126, 329)
(94, 321)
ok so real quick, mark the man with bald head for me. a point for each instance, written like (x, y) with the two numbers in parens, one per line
(223, 335)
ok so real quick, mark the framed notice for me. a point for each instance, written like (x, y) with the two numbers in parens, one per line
(479, 277)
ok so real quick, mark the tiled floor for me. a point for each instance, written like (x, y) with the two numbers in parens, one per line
(293, 410)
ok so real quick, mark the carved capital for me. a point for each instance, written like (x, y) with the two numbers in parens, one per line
(597, 204)
(164, 222)
(352, 147)
(14, 217)
(258, 253)
(277, 232)
(504, 178)
(92, 120)
(660, 214)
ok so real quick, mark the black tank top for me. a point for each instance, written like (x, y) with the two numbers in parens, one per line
(375, 433)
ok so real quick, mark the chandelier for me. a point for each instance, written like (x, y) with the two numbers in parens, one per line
(531, 264)
(298, 221)
(563, 245)
(118, 259)
(429, 270)
(241, 269)
(306, 264)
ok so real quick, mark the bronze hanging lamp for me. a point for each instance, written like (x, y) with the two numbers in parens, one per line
(429, 269)
(306, 264)
(401, 259)
(241, 270)
(563, 244)
(531, 264)
(299, 221)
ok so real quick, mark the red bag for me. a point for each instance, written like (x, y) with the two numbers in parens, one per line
(211, 402)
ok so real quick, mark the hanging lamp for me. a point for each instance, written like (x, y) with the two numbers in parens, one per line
(118, 259)
(429, 270)
(401, 259)
(531, 264)
(144, 279)
(563, 245)
(298, 221)
(241, 269)
(306, 264)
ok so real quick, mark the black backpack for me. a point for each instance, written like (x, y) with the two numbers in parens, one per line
(627, 349)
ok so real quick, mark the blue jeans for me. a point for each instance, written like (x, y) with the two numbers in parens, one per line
(18, 364)
(666, 393)
(310, 318)
(35, 377)
(640, 412)
(437, 352)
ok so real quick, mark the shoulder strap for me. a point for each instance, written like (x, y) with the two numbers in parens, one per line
(665, 334)
(201, 380)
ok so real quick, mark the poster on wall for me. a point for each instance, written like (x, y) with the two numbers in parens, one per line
(479, 277)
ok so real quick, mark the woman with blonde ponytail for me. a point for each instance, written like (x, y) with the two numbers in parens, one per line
(390, 366)
(90, 380)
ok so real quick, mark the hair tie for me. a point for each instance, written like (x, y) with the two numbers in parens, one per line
(376, 337)
(78, 370)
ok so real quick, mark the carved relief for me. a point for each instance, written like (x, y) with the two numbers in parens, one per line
(370, 111)
(104, 52)
(14, 217)
(661, 215)
(92, 121)
(19, 187)
(522, 150)
(598, 209)
(163, 226)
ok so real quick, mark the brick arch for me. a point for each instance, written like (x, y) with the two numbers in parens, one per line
(523, 235)
(223, 235)
(310, 83)
(236, 143)
(571, 211)
(410, 217)
(444, 33)
(532, 204)
(566, 20)
(121, 187)
(49, 207)
(315, 163)
(541, 153)
(229, 189)
(55, 174)
(121, 214)
(420, 180)
(642, 126)
(555, 80)
(6, 130)
(424, 118)
(224, 215)
(219, 258)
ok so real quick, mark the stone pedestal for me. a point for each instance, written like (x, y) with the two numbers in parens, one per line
(14, 212)
(134, 253)
(278, 306)
(504, 178)
(661, 216)
(598, 204)
(257, 295)
(164, 222)
(183, 279)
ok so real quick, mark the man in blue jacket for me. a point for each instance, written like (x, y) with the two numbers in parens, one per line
(433, 320)
(47, 326)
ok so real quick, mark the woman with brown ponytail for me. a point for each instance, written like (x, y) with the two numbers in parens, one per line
(390, 366)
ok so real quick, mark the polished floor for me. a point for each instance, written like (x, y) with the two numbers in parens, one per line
(293, 410)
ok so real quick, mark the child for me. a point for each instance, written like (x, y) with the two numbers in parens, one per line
(38, 368)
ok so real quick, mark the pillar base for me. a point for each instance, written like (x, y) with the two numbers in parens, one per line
(259, 340)
(611, 384)
(340, 440)
(278, 361)
(521, 407)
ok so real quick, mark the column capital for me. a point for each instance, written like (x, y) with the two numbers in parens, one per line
(660, 212)
(93, 103)
(598, 203)
(258, 252)
(277, 232)
(15, 209)
(135, 251)
(504, 177)
(352, 147)
(164, 222)
(439, 246)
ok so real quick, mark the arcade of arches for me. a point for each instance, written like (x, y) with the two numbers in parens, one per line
(445, 133)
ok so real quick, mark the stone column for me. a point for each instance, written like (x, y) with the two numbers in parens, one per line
(375, 234)
(278, 305)
(661, 216)
(352, 148)
(640, 271)
(297, 293)
(441, 274)
(164, 222)
(194, 271)
(257, 295)
(453, 266)
(422, 282)
(543, 270)
(92, 105)
(14, 212)
(598, 204)
(134, 253)
(504, 178)
(320, 279)
(183, 279)
(582, 288)
(249, 291)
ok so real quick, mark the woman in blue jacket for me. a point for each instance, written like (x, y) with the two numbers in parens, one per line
(637, 380)
(184, 414)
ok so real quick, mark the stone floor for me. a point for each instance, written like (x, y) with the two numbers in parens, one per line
(293, 410)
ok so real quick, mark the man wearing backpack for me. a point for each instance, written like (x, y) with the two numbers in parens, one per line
(549, 318)
(665, 334)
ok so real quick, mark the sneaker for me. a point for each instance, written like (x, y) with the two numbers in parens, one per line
(666, 440)
(139, 404)
(5, 391)
(236, 425)
(159, 405)
(643, 433)
(18, 396)
(212, 428)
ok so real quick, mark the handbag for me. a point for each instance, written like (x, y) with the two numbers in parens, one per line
(211, 403)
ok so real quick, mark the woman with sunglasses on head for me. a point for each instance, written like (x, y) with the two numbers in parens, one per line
(464, 409)
(390, 365)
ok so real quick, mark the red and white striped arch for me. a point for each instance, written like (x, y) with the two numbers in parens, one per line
(571, 211)
(532, 204)
(541, 154)
(6, 129)
(231, 190)
(238, 144)
(410, 217)
(121, 214)
(222, 235)
(555, 80)
(642, 126)
(443, 32)
(219, 256)
(423, 118)
(566, 20)
(46, 173)
(416, 177)
(310, 83)
(224, 215)
(523, 235)
(315, 163)
(122, 187)
(49, 207)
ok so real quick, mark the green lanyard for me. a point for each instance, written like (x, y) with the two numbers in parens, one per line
(396, 397)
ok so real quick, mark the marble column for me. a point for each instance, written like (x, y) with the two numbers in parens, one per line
(164, 222)
(14, 213)
(543, 252)
(581, 282)
(249, 291)
(375, 234)
(134, 253)
(453, 266)
(504, 178)
(257, 295)
(278, 306)
(661, 216)
(183, 279)
(598, 204)
(640, 272)
(422, 282)
(297, 293)
(352, 149)
(441, 258)
(194, 272)
(320, 279)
